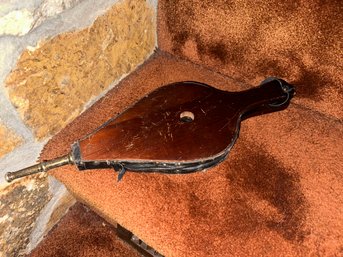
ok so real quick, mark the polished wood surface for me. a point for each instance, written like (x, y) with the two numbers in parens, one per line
(185, 121)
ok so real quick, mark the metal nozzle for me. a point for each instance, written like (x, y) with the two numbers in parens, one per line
(40, 167)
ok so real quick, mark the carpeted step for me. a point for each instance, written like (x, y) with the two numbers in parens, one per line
(81, 232)
(280, 192)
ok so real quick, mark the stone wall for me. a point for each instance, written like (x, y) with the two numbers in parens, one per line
(57, 57)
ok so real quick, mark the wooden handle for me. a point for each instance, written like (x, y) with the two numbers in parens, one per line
(272, 95)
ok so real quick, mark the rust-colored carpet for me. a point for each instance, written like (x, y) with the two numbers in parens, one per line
(83, 233)
(300, 41)
(280, 192)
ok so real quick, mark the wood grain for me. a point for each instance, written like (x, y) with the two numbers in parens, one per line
(184, 121)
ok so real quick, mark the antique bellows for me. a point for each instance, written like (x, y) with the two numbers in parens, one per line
(178, 128)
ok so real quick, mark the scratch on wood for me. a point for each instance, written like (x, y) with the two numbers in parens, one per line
(129, 146)
(170, 134)
(225, 125)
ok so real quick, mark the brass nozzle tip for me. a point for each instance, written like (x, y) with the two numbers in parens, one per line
(9, 177)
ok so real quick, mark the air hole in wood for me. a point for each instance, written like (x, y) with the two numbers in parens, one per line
(186, 116)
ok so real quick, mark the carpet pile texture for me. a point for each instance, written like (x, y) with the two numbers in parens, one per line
(82, 232)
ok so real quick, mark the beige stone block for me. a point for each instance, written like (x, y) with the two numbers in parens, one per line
(8, 140)
(16, 23)
(20, 205)
(51, 85)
